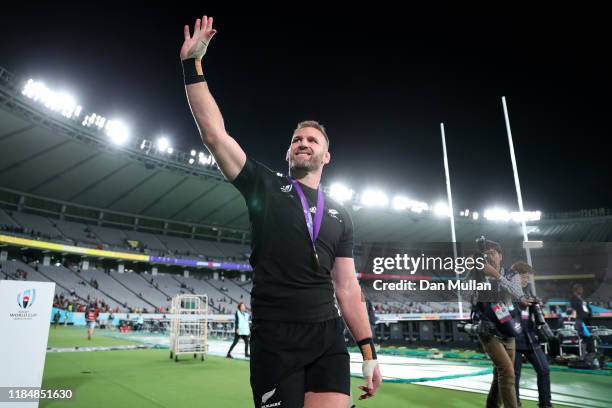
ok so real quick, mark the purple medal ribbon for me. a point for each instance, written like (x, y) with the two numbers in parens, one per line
(313, 226)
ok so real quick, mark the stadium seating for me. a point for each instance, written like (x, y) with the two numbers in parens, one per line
(92, 236)
(137, 284)
(112, 287)
(37, 223)
(6, 219)
(71, 280)
(229, 289)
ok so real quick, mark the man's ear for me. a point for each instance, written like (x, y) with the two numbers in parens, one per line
(287, 155)
(326, 157)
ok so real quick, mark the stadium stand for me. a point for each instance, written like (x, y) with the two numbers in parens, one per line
(150, 241)
(139, 286)
(110, 236)
(176, 245)
(37, 223)
(7, 220)
(228, 288)
(206, 248)
(83, 288)
(113, 288)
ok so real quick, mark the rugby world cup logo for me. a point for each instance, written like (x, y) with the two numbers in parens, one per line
(26, 299)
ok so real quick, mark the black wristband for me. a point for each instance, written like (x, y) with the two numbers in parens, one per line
(368, 351)
(192, 71)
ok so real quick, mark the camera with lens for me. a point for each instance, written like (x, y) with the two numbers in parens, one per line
(482, 247)
(545, 334)
(480, 328)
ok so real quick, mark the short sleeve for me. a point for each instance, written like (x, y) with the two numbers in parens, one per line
(247, 180)
(344, 249)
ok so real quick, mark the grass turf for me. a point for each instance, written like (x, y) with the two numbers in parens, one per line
(71, 336)
(148, 378)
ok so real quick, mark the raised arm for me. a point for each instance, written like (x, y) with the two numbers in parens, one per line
(227, 152)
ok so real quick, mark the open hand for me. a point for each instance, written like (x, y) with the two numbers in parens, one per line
(195, 45)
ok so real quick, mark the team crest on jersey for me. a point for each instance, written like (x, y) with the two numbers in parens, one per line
(287, 188)
(334, 214)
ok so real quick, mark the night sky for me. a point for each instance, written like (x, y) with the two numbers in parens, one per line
(380, 80)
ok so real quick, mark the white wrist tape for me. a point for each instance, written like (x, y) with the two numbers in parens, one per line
(368, 367)
(200, 50)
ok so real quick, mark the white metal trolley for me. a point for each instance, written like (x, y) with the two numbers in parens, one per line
(189, 326)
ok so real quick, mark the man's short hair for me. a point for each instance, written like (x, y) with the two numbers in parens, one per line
(492, 245)
(313, 124)
(522, 268)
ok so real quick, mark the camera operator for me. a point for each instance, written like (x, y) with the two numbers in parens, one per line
(497, 326)
(528, 342)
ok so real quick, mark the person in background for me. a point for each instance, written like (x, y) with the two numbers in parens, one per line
(527, 342)
(56, 319)
(583, 312)
(242, 330)
(91, 316)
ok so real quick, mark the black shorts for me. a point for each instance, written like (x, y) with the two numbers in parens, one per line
(289, 359)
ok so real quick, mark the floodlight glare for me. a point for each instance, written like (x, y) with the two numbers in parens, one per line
(60, 102)
(374, 198)
(441, 210)
(117, 131)
(340, 192)
(401, 203)
(497, 214)
(526, 216)
(162, 144)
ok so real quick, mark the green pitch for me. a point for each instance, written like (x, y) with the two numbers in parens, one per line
(149, 378)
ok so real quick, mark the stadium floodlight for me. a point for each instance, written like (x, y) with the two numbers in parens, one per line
(193, 152)
(170, 150)
(340, 192)
(497, 214)
(163, 144)
(206, 160)
(374, 198)
(117, 131)
(401, 203)
(418, 206)
(475, 215)
(93, 119)
(526, 216)
(56, 101)
(441, 209)
(191, 161)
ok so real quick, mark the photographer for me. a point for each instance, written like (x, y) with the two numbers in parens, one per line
(528, 342)
(583, 312)
(497, 326)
